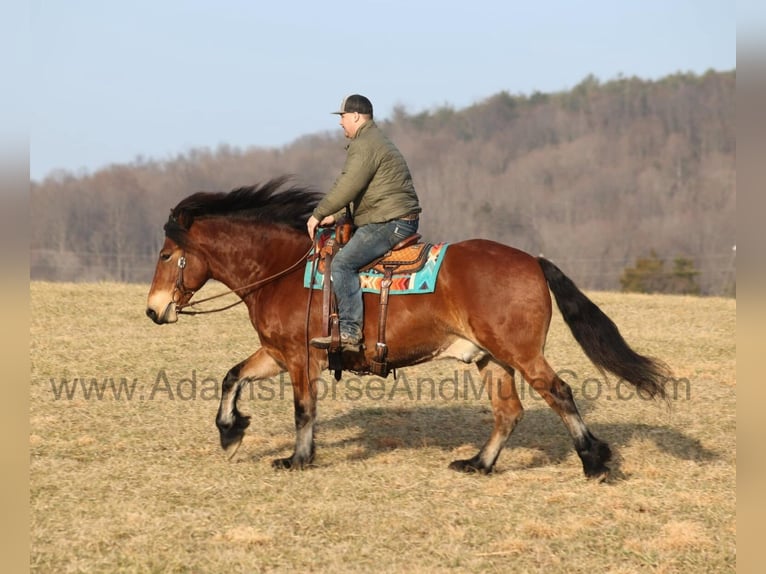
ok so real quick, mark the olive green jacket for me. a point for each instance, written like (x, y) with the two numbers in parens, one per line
(375, 180)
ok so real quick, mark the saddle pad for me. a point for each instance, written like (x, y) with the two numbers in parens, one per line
(423, 281)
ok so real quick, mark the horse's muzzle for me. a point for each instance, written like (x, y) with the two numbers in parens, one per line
(168, 315)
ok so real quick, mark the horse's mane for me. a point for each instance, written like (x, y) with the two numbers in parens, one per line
(268, 203)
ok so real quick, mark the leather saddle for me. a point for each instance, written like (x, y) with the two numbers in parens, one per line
(407, 256)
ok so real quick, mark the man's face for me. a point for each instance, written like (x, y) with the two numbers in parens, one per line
(350, 122)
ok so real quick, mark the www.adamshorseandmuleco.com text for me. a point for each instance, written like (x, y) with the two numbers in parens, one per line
(461, 385)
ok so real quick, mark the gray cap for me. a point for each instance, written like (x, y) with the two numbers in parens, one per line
(355, 104)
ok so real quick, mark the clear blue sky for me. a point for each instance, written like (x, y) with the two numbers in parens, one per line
(110, 81)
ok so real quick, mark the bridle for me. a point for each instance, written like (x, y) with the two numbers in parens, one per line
(180, 288)
(182, 292)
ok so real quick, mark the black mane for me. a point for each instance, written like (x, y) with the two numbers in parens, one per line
(265, 203)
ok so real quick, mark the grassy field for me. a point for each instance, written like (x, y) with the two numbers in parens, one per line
(138, 483)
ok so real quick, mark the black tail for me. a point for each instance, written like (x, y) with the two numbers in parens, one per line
(600, 338)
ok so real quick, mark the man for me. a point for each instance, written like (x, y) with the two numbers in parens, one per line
(376, 182)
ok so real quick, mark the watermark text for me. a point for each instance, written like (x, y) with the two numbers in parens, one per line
(459, 385)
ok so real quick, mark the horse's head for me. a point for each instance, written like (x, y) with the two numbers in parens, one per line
(191, 236)
(181, 270)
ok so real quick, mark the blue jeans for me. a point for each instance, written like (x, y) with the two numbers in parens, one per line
(368, 242)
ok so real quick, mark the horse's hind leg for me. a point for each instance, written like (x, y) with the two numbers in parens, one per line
(593, 452)
(230, 422)
(507, 411)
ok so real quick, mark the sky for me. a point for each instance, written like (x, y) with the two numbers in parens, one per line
(110, 82)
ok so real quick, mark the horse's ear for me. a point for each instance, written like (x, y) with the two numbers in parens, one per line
(173, 226)
(180, 220)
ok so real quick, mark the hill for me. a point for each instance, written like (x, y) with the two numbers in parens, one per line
(594, 178)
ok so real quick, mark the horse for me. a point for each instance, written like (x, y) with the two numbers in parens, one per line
(491, 307)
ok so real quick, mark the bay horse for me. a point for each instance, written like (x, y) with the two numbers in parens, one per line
(491, 307)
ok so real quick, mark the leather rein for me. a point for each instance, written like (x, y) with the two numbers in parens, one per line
(181, 288)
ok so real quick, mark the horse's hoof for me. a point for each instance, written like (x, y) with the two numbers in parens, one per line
(290, 464)
(469, 466)
(598, 475)
(231, 435)
(232, 446)
(283, 464)
(594, 460)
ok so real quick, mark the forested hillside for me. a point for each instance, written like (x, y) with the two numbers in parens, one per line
(593, 178)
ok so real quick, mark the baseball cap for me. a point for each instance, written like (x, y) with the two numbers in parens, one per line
(355, 104)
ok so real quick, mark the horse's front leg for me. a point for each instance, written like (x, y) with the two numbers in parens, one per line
(305, 400)
(230, 422)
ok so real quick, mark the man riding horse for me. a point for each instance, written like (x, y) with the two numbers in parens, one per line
(376, 181)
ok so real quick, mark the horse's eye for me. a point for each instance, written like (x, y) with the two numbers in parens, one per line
(165, 256)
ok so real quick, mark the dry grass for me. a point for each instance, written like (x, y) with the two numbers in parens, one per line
(141, 485)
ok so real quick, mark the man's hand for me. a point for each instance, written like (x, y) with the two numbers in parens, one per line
(313, 223)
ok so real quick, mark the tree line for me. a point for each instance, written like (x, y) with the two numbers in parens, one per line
(594, 178)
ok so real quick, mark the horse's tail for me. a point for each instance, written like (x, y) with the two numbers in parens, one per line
(599, 337)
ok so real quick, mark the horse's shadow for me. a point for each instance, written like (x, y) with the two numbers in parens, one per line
(466, 428)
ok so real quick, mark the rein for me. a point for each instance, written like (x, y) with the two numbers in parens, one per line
(180, 308)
